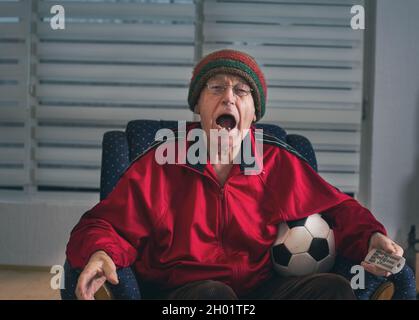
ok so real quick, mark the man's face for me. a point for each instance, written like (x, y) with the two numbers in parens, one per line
(220, 109)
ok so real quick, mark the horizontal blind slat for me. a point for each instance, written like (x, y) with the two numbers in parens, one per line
(12, 177)
(123, 115)
(346, 182)
(326, 117)
(274, 11)
(76, 178)
(11, 134)
(12, 71)
(344, 160)
(303, 2)
(125, 10)
(323, 139)
(115, 73)
(15, 51)
(271, 33)
(314, 95)
(117, 52)
(112, 31)
(117, 94)
(87, 136)
(11, 155)
(69, 156)
(12, 30)
(12, 113)
(275, 74)
(12, 8)
(10, 92)
(265, 55)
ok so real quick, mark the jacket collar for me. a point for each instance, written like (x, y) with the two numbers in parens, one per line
(254, 167)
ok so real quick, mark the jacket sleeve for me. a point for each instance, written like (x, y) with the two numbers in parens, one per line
(119, 224)
(303, 192)
(353, 226)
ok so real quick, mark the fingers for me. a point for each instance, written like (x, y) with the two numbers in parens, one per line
(93, 277)
(90, 281)
(383, 242)
(398, 249)
(99, 269)
(374, 269)
(109, 270)
(84, 280)
(88, 292)
(393, 248)
(389, 246)
(95, 285)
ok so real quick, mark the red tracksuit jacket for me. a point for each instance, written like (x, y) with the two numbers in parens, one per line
(177, 224)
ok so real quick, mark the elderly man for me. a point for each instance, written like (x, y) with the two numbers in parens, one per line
(204, 230)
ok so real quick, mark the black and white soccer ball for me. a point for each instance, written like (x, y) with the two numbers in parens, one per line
(304, 247)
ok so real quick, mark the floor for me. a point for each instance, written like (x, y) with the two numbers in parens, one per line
(26, 285)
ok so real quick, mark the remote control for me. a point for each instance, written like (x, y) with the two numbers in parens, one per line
(386, 261)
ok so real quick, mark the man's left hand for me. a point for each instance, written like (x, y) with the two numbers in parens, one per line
(380, 241)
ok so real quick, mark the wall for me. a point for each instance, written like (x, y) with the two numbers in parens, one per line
(395, 138)
(36, 233)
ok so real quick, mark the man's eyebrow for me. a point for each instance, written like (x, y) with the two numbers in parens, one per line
(223, 78)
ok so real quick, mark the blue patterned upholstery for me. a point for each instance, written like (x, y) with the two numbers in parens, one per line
(304, 147)
(114, 160)
(404, 281)
(120, 148)
(141, 133)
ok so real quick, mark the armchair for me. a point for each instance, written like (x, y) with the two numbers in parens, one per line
(120, 148)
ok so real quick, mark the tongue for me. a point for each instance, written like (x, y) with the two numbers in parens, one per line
(226, 121)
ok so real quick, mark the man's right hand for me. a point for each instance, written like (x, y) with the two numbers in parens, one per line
(99, 269)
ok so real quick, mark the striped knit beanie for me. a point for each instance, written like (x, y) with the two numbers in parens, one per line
(229, 62)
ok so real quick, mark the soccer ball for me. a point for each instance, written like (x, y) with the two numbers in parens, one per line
(304, 247)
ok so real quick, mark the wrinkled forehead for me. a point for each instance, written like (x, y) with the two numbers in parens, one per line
(224, 77)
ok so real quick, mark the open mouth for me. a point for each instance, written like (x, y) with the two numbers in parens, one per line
(226, 121)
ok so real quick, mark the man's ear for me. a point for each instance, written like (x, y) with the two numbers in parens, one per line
(254, 118)
(197, 109)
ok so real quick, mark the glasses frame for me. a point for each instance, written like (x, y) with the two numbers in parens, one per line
(225, 86)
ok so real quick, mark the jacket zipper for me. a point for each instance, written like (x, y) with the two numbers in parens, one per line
(221, 205)
(223, 214)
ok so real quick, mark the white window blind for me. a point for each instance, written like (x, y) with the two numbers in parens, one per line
(313, 62)
(122, 60)
(14, 28)
(115, 61)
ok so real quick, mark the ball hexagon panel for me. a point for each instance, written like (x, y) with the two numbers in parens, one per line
(298, 240)
(302, 264)
(317, 226)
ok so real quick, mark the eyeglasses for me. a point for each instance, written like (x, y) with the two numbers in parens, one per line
(240, 90)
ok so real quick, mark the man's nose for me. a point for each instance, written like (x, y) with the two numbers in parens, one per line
(228, 96)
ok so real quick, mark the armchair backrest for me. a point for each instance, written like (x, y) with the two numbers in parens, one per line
(120, 148)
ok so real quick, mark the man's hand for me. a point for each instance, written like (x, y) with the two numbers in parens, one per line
(380, 241)
(99, 269)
